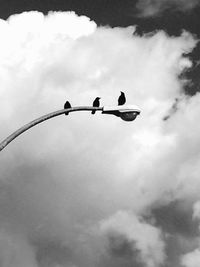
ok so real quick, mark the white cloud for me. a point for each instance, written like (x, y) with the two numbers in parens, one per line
(64, 176)
(191, 259)
(150, 8)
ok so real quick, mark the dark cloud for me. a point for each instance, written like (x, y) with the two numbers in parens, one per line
(172, 110)
(176, 219)
(192, 75)
(150, 8)
(181, 231)
(50, 253)
(122, 251)
(119, 246)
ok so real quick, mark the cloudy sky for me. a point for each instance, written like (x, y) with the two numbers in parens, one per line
(96, 191)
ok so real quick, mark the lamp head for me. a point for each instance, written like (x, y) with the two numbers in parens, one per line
(129, 116)
(125, 112)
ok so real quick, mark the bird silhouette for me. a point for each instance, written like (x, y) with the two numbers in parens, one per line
(121, 99)
(67, 105)
(96, 103)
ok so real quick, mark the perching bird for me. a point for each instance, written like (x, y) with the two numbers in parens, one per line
(96, 103)
(67, 105)
(121, 99)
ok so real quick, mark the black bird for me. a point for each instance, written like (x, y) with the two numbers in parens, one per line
(96, 103)
(67, 105)
(121, 99)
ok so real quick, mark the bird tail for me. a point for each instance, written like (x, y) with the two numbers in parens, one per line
(66, 113)
(93, 112)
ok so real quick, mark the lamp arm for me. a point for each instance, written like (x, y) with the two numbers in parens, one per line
(48, 116)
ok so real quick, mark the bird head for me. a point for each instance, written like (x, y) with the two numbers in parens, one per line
(98, 97)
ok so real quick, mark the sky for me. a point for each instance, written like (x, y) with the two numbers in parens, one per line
(93, 190)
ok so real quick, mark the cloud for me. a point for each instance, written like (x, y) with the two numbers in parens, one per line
(62, 178)
(151, 8)
(191, 259)
(145, 239)
(15, 251)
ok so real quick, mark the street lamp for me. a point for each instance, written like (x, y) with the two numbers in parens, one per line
(125, 112)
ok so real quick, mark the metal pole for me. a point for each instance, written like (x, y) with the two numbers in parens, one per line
(31, 124)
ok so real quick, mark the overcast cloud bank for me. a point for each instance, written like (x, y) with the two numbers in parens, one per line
(85, 190)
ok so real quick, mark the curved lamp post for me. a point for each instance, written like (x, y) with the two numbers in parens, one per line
(127, 113)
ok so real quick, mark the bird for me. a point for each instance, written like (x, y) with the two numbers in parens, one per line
(96, 103)
(121, 99)
(67, 105)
